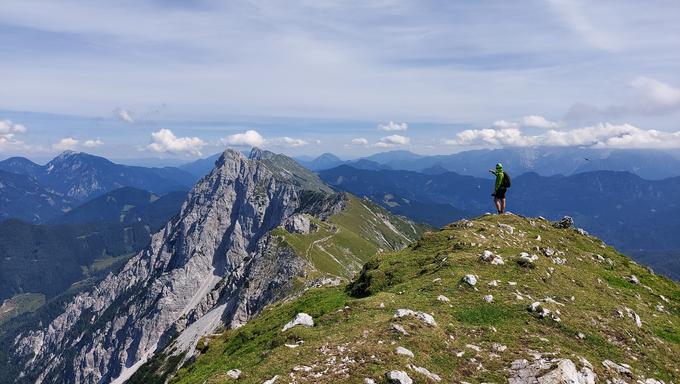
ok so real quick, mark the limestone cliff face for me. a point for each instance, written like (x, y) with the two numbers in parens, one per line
(213, 264)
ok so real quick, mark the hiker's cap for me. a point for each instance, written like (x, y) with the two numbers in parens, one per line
(499, 166)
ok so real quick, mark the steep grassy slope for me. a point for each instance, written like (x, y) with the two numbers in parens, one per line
(341, 245)
(585, 284)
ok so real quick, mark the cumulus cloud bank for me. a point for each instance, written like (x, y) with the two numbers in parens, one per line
(165, 141)
(249, 138)
(392, 126)
(603, 135)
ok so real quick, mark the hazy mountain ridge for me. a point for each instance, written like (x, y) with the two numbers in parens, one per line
(22, 197)
(92, 238)
(124, 205)
(77, 177)
(546, 161)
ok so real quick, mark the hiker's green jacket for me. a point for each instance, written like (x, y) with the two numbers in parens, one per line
(499, 179)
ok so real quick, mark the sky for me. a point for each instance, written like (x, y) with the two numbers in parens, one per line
(176, 80)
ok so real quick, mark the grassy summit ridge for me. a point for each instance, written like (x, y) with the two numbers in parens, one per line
(587, 285)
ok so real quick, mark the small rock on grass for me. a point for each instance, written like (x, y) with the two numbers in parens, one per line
(565, 223)
(272, 380)
(443, 298)
(422, 316)
(507, 228)
(398, 377)
(425, 372)
(488, 298)
(301, 319)
(234, 373)
(623, 369)
(470, 280)
(400, 329)
(404, 351)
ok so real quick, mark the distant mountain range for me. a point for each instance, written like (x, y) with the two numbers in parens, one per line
(125, 205)
(39, 193)
(22, 197)
(546, 161)
(636, 215)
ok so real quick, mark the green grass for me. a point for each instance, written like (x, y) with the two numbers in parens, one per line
(107, 262)
(20, 304)
(485, 314)
(354, 324)
(341, 245)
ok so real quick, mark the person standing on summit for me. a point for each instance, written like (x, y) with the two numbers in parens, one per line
(501, 186)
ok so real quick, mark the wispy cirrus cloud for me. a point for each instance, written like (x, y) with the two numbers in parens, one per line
(646, 97)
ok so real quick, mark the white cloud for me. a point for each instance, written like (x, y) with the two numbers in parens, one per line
(123, 115)
(656, 96)
(504, 124)
(67, 143)
(166, 141)
(536, 121)
(290, 142)
(392, 140)
(647, 97)
(490, 136)
(603, 135)
(575, 15)
(92, 143)
(8, 127)
(8, 132)
(359, 141)
(250, 138)
(392, 126)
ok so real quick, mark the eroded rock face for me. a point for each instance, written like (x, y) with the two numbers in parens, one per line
(298, 224)
(214, 264)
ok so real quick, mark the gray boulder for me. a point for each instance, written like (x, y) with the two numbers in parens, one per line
(566, 223)
(398, 377)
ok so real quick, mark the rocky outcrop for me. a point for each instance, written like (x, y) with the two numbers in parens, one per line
(548, 371)
(214, 264)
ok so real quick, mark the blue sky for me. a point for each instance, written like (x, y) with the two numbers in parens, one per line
(182, 79)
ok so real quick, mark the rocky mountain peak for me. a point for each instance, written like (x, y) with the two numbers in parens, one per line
(213, 264)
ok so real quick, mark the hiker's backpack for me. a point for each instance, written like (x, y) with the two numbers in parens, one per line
(506, 182)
